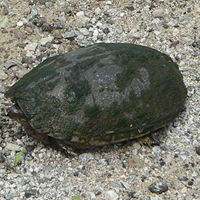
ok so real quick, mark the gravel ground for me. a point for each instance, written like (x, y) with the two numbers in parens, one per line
(140, 169)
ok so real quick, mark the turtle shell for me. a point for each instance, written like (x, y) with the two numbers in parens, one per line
(101, 94)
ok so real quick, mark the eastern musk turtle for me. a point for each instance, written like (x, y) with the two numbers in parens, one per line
(100, 94)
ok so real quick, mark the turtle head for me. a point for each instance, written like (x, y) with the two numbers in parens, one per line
(16, 113)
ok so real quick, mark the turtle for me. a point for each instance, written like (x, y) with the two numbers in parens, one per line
(97, 95)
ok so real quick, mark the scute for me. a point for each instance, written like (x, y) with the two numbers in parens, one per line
(101, 94)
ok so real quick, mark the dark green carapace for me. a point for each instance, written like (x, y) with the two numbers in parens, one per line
(100, 94)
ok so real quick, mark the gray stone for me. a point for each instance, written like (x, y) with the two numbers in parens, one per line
(29, 193)
(9, 196)
(34, 13)
(156, 151)
(158, 187)
(115, 186)
(69, 35)
(126, 185)
(103, 162)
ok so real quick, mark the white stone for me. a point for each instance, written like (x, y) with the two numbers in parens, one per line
(56, 46)
(110, 195)
(80, 37)
(91, 29)
(156, 151)
(31, 46)
(175, 32)
(80, 14)
(143, 40)
(97, 11)
(84, 31)
(149, 2)
(95, 33)
(20, 23)
(99, 24)
(3, 21)
(40, 155)
(25, 21)
(171, 23)
(81, 21)
(3, 75)
(29, 54)
(90, 196)
(103, 162)
(134, 35)
(43, 41)
(198, 10)
(61, 179)
(48, 4)
(183, 157)
(184, 190)
(187, 40)
(13, 147)
(156, 21)
(109, 2)
(155, 198)
(158, 13)
(157, 33)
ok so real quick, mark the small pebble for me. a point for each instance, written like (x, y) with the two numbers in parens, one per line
(81, 21)
(29, 193)
(110, 195)
(43, 41)
(84, 31)
(34, 12)
(106, 30)
(97, 11)
(47, 27)
(13, 147)
(31, 46)
(3, 75)
(158, 13)
(86, 157)
(69, 35)
(158, 187)
(20, 23)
